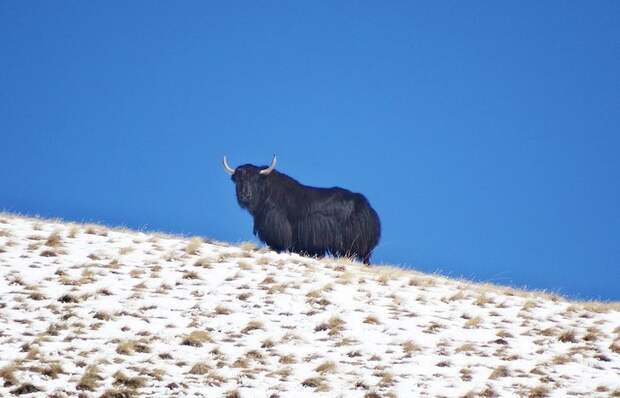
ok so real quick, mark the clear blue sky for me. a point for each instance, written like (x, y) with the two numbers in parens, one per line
(486, 135)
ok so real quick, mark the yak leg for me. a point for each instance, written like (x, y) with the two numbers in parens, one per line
(275, 230)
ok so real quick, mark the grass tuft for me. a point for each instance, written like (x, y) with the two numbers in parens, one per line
(194, 245)
(197, 338)
(90, 379)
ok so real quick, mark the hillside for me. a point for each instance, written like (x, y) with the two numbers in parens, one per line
(91, 311)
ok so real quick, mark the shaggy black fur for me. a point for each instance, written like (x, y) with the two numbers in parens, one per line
(289, 216)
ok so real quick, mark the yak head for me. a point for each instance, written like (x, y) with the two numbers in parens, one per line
(250, 183)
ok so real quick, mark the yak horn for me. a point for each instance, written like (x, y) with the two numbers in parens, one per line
(270, 168)
(227, 168)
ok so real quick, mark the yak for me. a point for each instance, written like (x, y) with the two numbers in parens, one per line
(290, 216)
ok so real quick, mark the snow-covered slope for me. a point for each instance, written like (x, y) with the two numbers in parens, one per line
(91, 311)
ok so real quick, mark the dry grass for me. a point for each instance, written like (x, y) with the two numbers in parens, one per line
(334, 326)
(498, 372)
(371, 319)
(409, 347)
(115, 393)
(473, 323)
(26, 388)
(203, 262)
(103, 316)
(318, 383)
(122, 379)
(90, 379)
(287, 359)
(197, 338)
(326, 367)
(54, 239)
(221, 310)
(252, 325)
(128, 347)
(538, 392)
(191, 275)
(568, 336)
(193, 246)
(467, 347)
(8, 374)
(386, 378)
(248, 246)
(232, 394)
(200, 368)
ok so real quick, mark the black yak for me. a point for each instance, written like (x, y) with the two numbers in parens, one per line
(289, 216)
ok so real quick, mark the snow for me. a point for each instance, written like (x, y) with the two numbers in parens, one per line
(271, 320)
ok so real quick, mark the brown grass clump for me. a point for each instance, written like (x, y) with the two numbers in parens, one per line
(500, 371)
(92, 229)
(197, 338)
(467, 347)
(215, 379)
(90, 379)
(73, 230)
(528, 305)
(315, 382)
(615, 346)
(8, 374)
(483, 300)
(25, 388)
(326, 367)
(232, 394)
(203, 262)
(121, 378)
(568, 336)
(409, 347)
(252, 325)
(37, 296)
(263, 260)
(334, 326)
(48, 253)
(248, 246)
(560, 359)
(191, 275)
(371, 319)
(128, 347)
(52, 370)
(103, 316)
(221, 310)
(466, 374)
(54, 239)
(473, 323)
(287, 359)
(538, 392)
(68, 298)
(200, 368)
(114, 393)
(387, 378)
(193, 246)
(488, 392)
(244, 296)
(241, 363)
